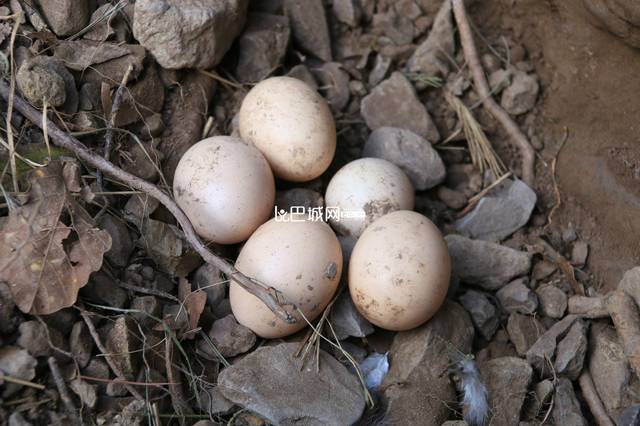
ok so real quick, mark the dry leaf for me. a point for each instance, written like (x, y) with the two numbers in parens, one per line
(81, 54)
(193, 301)
(167, 246)
(49, 246)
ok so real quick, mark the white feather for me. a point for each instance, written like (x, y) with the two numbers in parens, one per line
(474, 394)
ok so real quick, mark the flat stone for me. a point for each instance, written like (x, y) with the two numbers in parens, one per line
(87, 393)
(630, 284)
(483, 312)
(579, 253)
(395, 26)
(380, 69)
(139, 207)
(17, 363)
(566, 408)
(347, 11)
(8, 318)
(553, 301)
(347, 321)
(272, 383)
(394, 103)
(81, 343)
(451, 198)
(213, 402)
(507, 380)
(538, 400)
(65, 17)
(524, 331)
(521, 95)
(433, 55)
(188, 33)
(262, 46)
(517, 297)
(47, 77)
(415, 385)
(121, 241)
(409, 151)
(609, 367)
(500, 213)
(302, 73)
(229, 337)
(543, 269)
(309, 27)
(334, 82)
(147, 307)
(209, 278)
(571, 351)
(499, 80)
(33, 337)
(544, 349)
(103, 290)
(630, 416)
(485, 264)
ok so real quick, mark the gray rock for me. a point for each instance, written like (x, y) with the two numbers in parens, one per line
(188, 33)
(507, 381)
(103, 290)
(415, 385)
(566, 408)
(521, 95)
(499, 80)
(486, 264)
(609, 367)
(81, 343)
(395, 26)
(571, 351)
(87, 393)
(630, 416)
(553, 301)
(229, 337)
(544, 349)
(148, 307)
(433, 55)
(213, 402)
(8, 319)
(579, 253)
(380, 69)
(334, 82)
(121, 242)
(17, 363)
(455, 423)
(272, 383)
(543, 269)
(393, 103)
(309, 26)
(139, 207)
(347, 321)
(517, 297)
(17, 419)
(524, 331)
(630, 284)
(65, 17)
(409, 151)
(539, 400)
(302, 73)
(451, 198)
(35, 339)
(347, 11)
(209, 278)
(483, 312)
(500, 213)
(47, 77)
(262, 46)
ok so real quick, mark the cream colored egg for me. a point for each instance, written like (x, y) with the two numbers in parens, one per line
(399, 271)
(364, 190)
(291, 124)
(225, 187)
(302, 259)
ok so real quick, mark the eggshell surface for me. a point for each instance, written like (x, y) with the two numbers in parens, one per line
(399, 271)
(302, 259)
(292, 125)
(364, 190)
(225, 187)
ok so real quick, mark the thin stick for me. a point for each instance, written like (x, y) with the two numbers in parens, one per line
(556, 189)
(593, 400)
(271, 297)
(10, 100)
(175, 389)
(482, 87)
(62, 388)
(21, 382)
(114, 367)
(111, 122)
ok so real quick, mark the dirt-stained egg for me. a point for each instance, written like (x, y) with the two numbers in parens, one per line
(225, 188)
(364, 190)
(399, 271)
(291, 124)
(300, 258)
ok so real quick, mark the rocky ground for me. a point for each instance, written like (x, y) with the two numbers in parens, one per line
(146, 334)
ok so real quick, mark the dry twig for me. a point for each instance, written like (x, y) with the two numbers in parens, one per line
(626, 318)
(482, 87)
(62, 388)
(271, 297)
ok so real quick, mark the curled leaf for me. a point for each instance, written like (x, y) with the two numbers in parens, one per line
(50, 245)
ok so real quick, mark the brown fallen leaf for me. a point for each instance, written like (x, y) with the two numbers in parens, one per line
(50, 245)
(194, 302)
(81, 54)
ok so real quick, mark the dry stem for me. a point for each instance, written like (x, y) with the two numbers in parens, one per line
(593, 400)
(268, 295)
(62, 388)
(626, 318)
(482, 87)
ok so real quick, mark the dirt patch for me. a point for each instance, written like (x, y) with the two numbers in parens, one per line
(591, 90)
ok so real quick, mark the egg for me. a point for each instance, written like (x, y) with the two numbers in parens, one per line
(300, 258)
(291, 124)
(364, 190)
(225, 187)
(399, 271)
